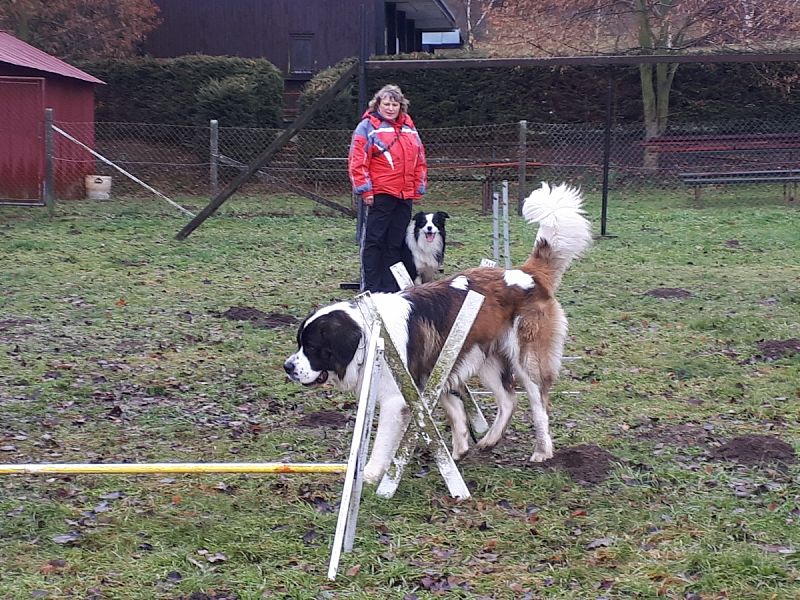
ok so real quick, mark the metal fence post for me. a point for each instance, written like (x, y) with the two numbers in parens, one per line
(48, 190)
(523, 162)
(214, 150)
(607, 152)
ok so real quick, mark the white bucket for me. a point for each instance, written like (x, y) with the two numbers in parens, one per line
(98, 187)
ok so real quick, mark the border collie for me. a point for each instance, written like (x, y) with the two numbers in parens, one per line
(517, 337)
(425, 245)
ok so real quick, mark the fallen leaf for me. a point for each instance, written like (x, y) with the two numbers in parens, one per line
(778, 549)
(600, 543)
(67, 539)
(217, 557)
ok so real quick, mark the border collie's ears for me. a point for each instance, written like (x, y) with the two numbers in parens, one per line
(442, 214)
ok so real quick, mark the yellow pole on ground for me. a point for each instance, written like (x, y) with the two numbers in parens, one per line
(138, 469)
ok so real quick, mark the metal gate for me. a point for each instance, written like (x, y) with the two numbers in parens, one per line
(21, 140)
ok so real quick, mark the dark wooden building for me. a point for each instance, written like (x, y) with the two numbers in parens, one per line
(300, 37)
(30, 81)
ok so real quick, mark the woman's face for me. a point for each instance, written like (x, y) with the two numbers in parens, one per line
(389, 108)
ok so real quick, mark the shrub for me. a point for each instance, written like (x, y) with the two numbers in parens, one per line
(186, 90)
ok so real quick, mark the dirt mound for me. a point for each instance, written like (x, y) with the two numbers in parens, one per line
(755, 450)
(324, 418)
(668, 293)
(586, 463)
(258, 318)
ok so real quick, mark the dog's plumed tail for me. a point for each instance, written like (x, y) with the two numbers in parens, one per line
(564, 233)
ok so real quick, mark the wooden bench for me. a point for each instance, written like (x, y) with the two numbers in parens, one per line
(784, 176)
(733, 142)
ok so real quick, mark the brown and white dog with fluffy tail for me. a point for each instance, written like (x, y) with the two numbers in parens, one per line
(517, 337)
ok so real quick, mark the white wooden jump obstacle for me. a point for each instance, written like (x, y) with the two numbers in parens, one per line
(422, 426)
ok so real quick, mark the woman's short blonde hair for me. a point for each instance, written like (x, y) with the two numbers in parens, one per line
(392, 92)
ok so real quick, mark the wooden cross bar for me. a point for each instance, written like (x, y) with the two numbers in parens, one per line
(421, 403)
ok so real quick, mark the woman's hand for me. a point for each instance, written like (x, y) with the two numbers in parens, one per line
(368, 200)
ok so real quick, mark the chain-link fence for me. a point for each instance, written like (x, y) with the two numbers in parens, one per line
(183, 161)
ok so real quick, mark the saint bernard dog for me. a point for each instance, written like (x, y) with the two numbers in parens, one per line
(425, 245)
(517, 337)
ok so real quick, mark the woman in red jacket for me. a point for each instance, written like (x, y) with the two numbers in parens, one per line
(388, 170)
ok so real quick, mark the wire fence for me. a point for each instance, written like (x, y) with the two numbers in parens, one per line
(185, 161)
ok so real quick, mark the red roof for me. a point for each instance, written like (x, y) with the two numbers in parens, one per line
(16, 52)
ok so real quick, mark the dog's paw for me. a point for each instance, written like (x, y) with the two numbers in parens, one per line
(541, 456)
(488, 441)
(459, 454)
(373, 474)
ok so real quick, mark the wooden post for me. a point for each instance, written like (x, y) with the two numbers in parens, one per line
(214, 156)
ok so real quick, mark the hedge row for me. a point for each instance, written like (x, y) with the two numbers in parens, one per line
(457, 97)
(189, 90)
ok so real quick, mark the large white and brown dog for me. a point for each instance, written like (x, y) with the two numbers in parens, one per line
(517, 337)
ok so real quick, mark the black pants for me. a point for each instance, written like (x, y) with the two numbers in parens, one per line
(385, 231)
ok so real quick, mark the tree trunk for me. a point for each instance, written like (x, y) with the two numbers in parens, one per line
(656, 83)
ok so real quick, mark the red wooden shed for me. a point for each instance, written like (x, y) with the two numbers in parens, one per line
(30, 81)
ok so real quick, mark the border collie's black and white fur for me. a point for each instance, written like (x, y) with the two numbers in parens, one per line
(517, 337)
(425, 242)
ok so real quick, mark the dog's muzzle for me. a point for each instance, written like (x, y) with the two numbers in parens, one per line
(291, 370)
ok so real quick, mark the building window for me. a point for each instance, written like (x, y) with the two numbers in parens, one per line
(301, 57)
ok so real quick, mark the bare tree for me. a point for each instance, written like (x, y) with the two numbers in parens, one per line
(644, 27)
(473, 17)
(80, 29)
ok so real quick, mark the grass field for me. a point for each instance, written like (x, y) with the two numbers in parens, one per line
(675, 427)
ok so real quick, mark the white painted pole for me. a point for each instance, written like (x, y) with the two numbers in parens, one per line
(353, 468)
(495, 227)
(506, 250)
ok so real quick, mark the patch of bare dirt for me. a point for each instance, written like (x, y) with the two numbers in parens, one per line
(586, 463)
(12, 323)
(259, 318)
(755, 450)
(681, 435)
(324, 418)
(668, 293)
(775, 349)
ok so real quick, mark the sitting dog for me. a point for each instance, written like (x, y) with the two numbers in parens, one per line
(423, 252)
(517, 337)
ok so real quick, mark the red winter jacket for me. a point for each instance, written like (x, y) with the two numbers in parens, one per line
(387, 157)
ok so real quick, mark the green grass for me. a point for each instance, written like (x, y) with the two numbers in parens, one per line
(114, 349)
